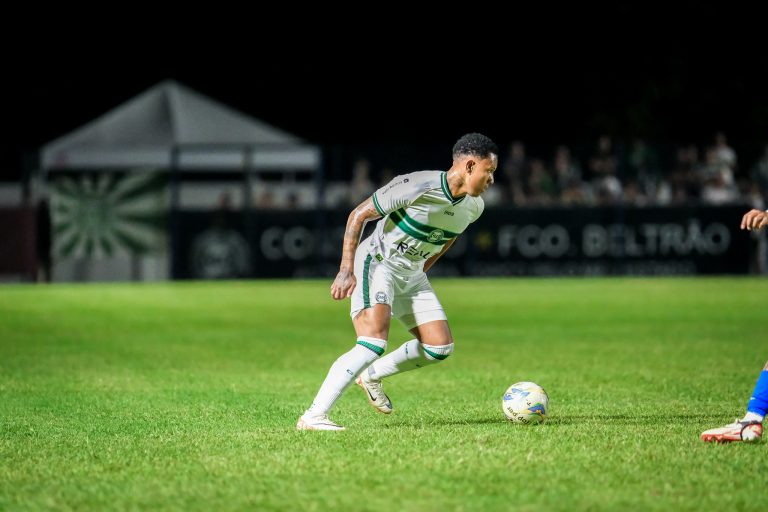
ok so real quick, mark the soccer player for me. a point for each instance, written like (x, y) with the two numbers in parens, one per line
(422, 214)
(750, 427)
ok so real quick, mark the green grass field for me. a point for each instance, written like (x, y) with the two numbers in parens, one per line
(185, 396)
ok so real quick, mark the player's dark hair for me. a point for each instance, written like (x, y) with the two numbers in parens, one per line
(475, 144)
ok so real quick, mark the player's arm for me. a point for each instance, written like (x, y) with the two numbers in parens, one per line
(344, 284)
(431, 261)
(754, 219)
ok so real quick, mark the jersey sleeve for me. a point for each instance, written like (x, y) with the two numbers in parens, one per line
(398, 193)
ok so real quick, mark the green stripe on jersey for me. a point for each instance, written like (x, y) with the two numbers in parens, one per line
(423, 227)
(429, 234)
(377, 205)
(447, 189)
(408, 230)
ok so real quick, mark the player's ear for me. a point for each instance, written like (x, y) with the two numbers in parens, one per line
(470, 165)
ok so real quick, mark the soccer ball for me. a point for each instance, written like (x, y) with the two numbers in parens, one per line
(525, 402)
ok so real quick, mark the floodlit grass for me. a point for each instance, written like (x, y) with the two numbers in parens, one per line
(185, 396)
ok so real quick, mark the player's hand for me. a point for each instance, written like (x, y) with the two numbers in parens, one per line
(754, 219)
(343, 285)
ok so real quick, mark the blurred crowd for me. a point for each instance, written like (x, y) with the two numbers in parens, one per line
(633, 173)
(636, 175)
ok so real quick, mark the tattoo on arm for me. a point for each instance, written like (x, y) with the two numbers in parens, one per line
(356, 221)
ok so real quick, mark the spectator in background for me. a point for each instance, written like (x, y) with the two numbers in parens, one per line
(567, 171)
(759, 172)
(608, 190)
(515, 172)
(266, 200)
(683, 184)
(292, 201)
(575, 193)
(603, 162)
(717, 178)
(633, 194)
(571, 190)
(643, 167)
(603, 167)
(724, 154)
(642, 160)
(541, 187)
(361, 187)
(263, 195)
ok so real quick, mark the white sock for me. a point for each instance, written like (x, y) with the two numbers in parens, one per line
(408, 356)
(753, 416)
(343, 371)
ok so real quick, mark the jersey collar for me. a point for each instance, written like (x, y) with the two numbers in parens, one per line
(447, 189)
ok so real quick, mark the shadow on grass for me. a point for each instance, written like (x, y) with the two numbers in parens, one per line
(620, 419)
(628, 419)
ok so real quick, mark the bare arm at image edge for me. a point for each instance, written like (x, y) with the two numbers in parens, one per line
(754, 219)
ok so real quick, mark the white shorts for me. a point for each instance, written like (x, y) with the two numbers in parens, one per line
(411, 297)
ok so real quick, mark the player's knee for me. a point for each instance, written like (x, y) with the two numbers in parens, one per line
(437, 353)
(373, 322)
(374, 346)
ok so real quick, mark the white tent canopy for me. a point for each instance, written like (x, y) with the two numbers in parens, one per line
(207, 135)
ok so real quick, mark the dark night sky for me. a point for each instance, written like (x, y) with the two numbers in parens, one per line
(670, 79)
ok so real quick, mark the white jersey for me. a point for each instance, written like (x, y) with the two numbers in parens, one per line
(420, 217)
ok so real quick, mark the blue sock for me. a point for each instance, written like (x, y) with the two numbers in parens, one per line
(759, 401)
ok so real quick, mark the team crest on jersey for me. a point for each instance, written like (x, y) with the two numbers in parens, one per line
(435, 236)
(381, 298)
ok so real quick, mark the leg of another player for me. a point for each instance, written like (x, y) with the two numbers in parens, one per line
(433, 343)
(758, 402)
(750, 427)
(372, 328)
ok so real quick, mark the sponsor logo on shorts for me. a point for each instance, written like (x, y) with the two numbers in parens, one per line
(381, 298)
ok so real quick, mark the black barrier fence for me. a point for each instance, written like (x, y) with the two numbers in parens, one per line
(541, 241)
(22, 247)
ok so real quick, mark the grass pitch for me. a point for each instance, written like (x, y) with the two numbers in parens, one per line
(184, 396)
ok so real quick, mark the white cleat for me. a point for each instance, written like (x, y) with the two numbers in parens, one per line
(749, 431)
(320, 422)
(373, 392)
